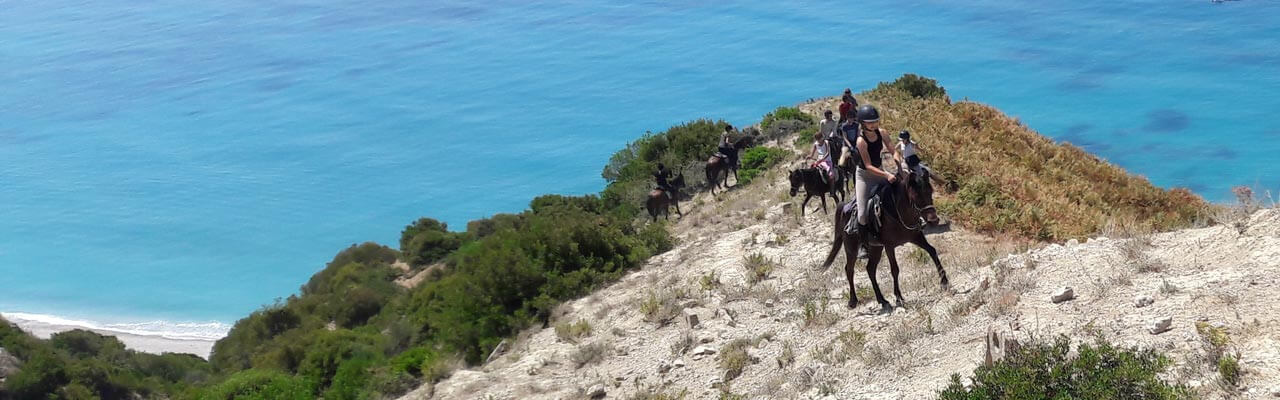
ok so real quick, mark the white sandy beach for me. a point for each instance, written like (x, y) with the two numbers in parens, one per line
(155, 344)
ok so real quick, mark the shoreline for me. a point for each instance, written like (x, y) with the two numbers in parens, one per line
(197, 339)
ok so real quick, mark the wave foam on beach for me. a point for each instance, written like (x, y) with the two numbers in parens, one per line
(151, 336)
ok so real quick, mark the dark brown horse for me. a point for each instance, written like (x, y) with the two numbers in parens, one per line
(718, 166)
(811, 180)
(659, 203)
(906, 210)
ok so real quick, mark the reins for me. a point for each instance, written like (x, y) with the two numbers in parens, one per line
(897, 210)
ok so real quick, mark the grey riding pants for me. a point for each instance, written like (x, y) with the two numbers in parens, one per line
(863, 181)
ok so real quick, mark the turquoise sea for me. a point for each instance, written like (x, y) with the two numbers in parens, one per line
(173, 165)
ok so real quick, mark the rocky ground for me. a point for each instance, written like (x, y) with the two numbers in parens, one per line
(740, 307)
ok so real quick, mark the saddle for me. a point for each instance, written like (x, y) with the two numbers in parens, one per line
(881, 193)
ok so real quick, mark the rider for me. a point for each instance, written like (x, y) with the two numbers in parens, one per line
(821, 156)
(829, 130)
(848, 136)
(869, 146)
(726, 146)
(661, 177)
(909, 150)
(848, 104)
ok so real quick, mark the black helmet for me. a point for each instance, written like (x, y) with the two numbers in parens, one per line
(904, 134)
(660, 166)
(868, 113)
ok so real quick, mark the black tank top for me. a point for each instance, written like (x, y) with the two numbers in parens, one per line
(873, 149)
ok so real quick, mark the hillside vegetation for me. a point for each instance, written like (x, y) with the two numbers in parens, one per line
(356, 331)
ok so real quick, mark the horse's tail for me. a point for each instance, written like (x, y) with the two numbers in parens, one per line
(837, 242)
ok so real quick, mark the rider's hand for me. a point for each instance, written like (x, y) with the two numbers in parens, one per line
(893, 178)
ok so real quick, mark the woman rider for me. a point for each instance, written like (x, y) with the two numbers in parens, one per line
(870, 145)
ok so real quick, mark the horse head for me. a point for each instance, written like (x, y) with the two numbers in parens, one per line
(797, 179)
(678, 181)
(920, 195)
(744, 142)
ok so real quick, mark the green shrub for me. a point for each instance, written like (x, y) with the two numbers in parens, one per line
(412, 360)
(784, 114)
(331, 349)
(427, 240)
(1050, 371)
(696, 139)
(42, 374)
(367, 253)
(916, 86)
(1229, 370)
(80, 343)
(259, 385)
(758, 159)
(350, 379)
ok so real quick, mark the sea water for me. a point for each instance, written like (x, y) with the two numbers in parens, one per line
(167, 167)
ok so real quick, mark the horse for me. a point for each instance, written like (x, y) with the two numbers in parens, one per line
(811, 179)
(907, 209)
(717, 165)
(659, 202)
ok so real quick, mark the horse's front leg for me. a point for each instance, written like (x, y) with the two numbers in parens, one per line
(804, 203)
(873, 260)
(677, 204)
(919, 240)
(824, 203)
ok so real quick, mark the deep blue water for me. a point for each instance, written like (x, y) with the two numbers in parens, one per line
(191, 161)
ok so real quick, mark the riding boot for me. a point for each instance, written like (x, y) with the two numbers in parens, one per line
(869, 237)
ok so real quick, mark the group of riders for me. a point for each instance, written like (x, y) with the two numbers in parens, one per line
(853, 139)
(856, 137)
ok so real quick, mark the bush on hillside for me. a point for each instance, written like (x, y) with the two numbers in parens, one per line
(79, 343)
(678, 146)
(428, 240)
(259, 385)
(330, 349)
(82, 364)
(480, 228)
(916, 86)
(784, 114)
(367, 253)
(1050, 371)
(512, 278)
(759, 159)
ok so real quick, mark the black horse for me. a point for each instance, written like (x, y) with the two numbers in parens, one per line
(660, 203)
(719, 166)
(811, 179)
(907, 208)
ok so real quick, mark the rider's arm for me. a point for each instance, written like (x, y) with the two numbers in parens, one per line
(866, 160)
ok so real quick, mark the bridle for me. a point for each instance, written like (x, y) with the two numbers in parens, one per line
(919, 210)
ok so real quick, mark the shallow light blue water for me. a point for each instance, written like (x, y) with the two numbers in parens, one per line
(188, 161)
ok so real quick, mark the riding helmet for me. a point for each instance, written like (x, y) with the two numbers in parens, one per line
(904, 135)
(868, 113)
